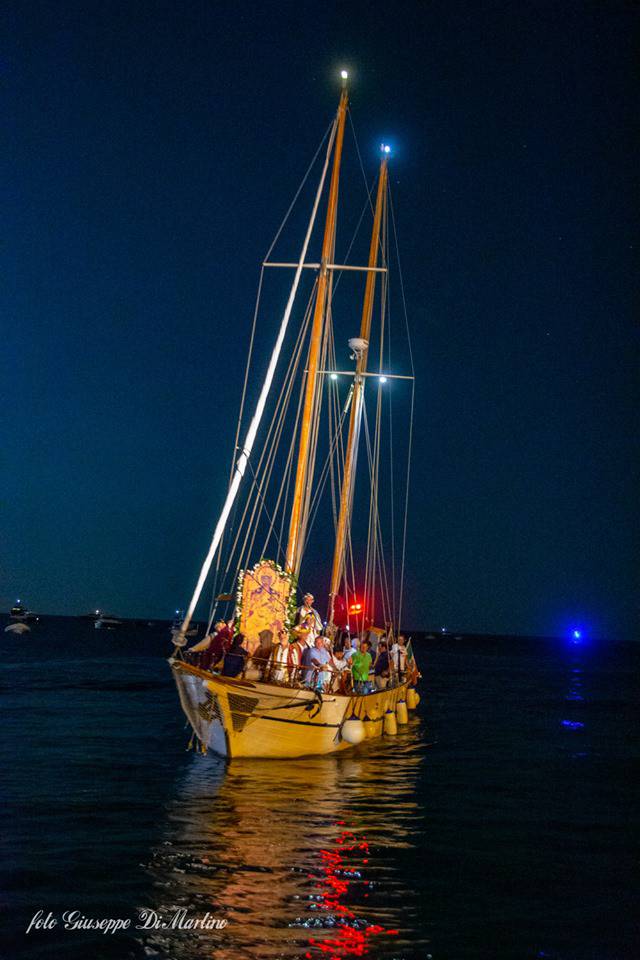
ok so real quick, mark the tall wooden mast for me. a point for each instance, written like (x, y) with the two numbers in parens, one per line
(355, 418)
(303, 469)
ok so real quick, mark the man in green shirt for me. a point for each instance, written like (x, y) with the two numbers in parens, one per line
(360, 667)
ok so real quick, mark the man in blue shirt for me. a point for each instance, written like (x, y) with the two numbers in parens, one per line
(319, 655)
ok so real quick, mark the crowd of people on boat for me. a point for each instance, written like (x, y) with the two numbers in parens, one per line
(308, 655)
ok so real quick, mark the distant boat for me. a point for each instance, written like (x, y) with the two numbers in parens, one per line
(19, 613)
(18, 628)
(177, 623)
(107, 622)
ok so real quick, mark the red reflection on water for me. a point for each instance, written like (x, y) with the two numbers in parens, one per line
(333, 886)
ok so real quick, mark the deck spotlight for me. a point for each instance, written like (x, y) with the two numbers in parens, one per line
(382, 379)
(333, 376)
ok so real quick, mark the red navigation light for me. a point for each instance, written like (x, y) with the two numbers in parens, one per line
(355, 608)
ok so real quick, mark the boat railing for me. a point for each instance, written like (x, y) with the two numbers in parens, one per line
(269, 670)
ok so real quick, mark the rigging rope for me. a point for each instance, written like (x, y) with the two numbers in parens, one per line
(411, 416)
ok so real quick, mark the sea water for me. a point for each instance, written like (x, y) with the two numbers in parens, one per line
(498, 824)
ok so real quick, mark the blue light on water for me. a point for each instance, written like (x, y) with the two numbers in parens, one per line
(572, 724)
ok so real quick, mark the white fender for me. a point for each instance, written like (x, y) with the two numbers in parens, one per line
(352, 730)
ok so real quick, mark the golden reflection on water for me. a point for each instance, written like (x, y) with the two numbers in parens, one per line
(303, 858)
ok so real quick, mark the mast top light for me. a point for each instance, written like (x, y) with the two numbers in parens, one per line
(385, 148)
(344, 74)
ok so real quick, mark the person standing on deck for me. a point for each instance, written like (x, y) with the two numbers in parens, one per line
(278, 658)
(234, 659)
(340, 673)
(350, 647)
(305, 662)
(261, 656)
(381, 667)
(360, 667)
(294, 660)
(399, 657)
(320, 657)
(214, 646)
(309, 615)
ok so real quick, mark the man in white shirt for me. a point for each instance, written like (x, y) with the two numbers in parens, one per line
(340, 670)
(350, 647)
(399, 656)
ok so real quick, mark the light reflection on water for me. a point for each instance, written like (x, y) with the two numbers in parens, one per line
(574, 694)
(302, 858)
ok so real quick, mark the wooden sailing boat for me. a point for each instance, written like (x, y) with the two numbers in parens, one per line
(274, 709)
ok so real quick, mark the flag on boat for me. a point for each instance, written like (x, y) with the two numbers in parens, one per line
(412, 667)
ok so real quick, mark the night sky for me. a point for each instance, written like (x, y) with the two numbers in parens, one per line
(150, 152)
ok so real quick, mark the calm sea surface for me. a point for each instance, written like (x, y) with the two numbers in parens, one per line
(499, 825)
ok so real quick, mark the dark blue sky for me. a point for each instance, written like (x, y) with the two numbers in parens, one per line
(150, 152)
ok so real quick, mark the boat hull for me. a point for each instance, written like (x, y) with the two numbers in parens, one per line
(244, 718)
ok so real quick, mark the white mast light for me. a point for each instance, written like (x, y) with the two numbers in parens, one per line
(333, 376)
(344, 74)
(383, 379)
